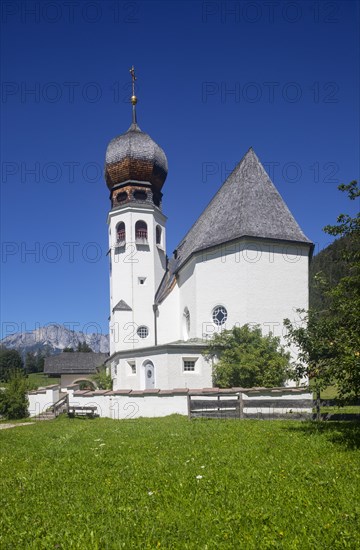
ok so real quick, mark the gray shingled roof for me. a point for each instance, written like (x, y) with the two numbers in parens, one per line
(122, 306)
(77, 362)
(246, 205)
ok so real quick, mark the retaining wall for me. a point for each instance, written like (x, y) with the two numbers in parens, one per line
(121, 404)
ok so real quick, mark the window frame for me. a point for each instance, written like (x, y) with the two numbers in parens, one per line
(189, 360)
(141, 238)
(138, 331)
(213, 314)
(119, 241)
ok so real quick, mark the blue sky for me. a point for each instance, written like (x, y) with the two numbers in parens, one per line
(214, 78)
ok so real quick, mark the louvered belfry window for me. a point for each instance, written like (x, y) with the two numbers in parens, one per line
(141, 231)
(120, 232)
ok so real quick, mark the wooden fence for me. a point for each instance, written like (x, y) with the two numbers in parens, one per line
(240, 406)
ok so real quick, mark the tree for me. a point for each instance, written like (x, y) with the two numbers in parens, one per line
(30, 362)
(102, 379)
(84, 347)
(13, 399)
(329, 346)
(345, 306)
(246, 358)
(10, 361)
(312, 338)
(68, 350)
(327, 268)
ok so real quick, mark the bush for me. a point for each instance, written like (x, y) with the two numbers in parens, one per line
(102, 379)
(13, 400)
(244, 357)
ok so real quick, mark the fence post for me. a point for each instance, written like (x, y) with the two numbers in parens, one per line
(189, 406)
(241, 406)
(318, 414)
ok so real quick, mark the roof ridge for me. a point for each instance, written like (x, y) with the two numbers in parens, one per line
(216, 194)
(246, 204)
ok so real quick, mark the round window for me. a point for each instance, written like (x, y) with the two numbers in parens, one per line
(219, 315)
(143, 332)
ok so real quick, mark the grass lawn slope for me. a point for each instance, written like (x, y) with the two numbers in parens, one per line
(170, 483)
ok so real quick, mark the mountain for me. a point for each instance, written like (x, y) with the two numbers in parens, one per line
(53, 338)
(331, 265)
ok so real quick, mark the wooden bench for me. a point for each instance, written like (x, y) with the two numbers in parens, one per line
(86, 410)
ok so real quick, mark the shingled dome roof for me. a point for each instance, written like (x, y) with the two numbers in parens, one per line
(135, 156)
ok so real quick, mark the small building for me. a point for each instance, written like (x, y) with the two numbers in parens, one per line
(74, 367)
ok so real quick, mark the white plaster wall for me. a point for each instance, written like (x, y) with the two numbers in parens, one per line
(169, 318)
(151, 406)
(168, 368)
(132, 262)
(258, 282)
(41, 400)
(187, 281)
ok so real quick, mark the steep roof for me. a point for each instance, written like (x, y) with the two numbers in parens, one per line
(122, 306)
(77, 362)
(247, 205)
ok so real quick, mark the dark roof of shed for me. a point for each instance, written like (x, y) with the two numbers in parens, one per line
(77, 362)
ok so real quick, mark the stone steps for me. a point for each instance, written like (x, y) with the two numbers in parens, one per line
(48, 415)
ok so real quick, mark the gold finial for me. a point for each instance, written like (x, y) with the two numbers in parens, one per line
(133, 97)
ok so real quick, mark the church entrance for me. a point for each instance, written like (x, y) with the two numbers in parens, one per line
(149, 375)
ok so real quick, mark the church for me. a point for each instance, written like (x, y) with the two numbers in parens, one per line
(245, 260)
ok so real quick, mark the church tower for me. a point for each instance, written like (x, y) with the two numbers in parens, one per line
(135, 172)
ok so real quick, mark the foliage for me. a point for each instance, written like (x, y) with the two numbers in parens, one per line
(331, 342)
(84, 347)
(85, 384)
(10, 362)
(312, 338)
(326, 270)
(171, 483)
(13, 399)
(34, 362)
(102, 379)
(344, 311)
(246, 358)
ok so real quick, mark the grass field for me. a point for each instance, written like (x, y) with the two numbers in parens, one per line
(170, 483)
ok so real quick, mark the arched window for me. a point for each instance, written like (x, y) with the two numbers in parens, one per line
(158, 234)
(140, 232)
(120, 233)
(186, 324)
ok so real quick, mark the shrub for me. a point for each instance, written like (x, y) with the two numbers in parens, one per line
(13, 399)
(244, 357)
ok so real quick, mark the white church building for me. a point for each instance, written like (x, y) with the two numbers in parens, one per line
(245, 260)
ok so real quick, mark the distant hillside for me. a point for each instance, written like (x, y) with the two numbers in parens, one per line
(52, 339)
(330, 263)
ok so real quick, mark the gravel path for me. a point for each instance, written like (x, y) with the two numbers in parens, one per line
(5, 426)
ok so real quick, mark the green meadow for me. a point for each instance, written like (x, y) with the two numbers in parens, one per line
(176, 484)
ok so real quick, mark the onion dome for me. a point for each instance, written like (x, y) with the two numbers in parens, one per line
(136, 157)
